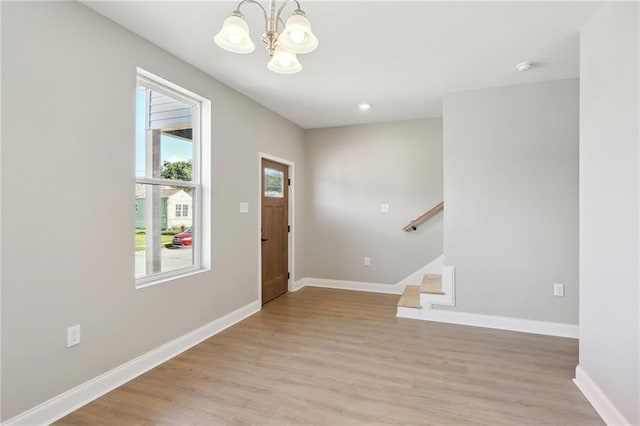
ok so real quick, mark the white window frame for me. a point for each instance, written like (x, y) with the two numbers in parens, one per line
(178, 211)
(200, 184)
(185, 210)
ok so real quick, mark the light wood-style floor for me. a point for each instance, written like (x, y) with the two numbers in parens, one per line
(333, 357)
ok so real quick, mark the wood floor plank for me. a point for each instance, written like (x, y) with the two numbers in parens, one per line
(334, 357)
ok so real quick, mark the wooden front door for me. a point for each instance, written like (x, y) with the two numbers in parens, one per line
(275, 233)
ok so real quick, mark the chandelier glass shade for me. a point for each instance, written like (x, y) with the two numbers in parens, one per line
(297, 36)
(234, 36)
(284, 62)
(283, 44)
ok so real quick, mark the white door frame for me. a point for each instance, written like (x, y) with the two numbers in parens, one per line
(292, 218)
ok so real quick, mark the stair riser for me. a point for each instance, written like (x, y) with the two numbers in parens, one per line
(427, 300)
(412, 313)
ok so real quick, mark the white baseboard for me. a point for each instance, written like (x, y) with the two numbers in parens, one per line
(298, 285)
(354, 285)
(415, 278)
(491, 321)
(502, 323)
(404, 312)
(69, 401)
(598, 399)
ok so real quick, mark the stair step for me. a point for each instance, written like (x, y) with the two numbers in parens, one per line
(432, 284)
(410, 297)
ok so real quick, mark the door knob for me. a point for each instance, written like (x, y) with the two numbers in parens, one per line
(264, 239)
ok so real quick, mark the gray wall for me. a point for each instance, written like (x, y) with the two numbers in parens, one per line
(511, 197)
(350, 172)
(609, 188)
(68, 87)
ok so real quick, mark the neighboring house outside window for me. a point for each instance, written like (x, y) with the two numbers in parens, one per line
(174, 209)
(168, 185)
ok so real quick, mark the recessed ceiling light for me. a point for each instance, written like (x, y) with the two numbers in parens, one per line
(364, 106)
(525, 66)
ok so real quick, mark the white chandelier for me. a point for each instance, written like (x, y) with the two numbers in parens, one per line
(296, 37)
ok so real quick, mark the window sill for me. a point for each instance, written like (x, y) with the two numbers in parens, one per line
(149, 282)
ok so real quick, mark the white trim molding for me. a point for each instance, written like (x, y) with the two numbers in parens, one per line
(411, 313)
(501, 323)
(415, 278)
(354, 285)
(69, 401)
(598, 399)
(297, 285)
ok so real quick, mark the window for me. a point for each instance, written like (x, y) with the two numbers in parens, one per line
(168, 178)
(273, 183)
(182, 210)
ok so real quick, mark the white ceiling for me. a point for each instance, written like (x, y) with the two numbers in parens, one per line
(399, 56)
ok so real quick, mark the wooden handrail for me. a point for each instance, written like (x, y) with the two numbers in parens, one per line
(413, 225)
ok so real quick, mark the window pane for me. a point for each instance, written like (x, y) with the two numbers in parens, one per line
(164, 136)
(273, 183)
(163, 238)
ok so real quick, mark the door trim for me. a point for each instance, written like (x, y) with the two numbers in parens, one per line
(292, 219)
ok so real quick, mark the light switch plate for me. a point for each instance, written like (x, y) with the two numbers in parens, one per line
(73, 335)
(384, 208)
(244, 207)
(558, 290)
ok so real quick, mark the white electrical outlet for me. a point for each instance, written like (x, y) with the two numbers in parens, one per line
(244, 207)
(384, 208)
(367, 261)
(558, 290)
(73, 335)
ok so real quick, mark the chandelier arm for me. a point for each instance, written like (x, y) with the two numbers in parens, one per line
(266, 19)
(286, 3)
